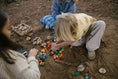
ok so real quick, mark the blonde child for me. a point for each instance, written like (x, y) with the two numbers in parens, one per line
(14, 65)
(78, 29)
(58, 7)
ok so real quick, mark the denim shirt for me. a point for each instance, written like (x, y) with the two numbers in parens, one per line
(58, 8)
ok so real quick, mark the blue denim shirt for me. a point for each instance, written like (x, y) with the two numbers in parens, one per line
(58, 8)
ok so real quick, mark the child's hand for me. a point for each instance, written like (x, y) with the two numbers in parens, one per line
(54, 46)
(33, 52)
(58, 41)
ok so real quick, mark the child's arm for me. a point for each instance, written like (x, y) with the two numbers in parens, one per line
(72, 8)
(55, 9)
(55, 46)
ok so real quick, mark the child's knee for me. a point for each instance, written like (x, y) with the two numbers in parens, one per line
(101, 24)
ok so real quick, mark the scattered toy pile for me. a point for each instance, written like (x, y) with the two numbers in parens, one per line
(57, 54)
(22, 29)
(41, 57)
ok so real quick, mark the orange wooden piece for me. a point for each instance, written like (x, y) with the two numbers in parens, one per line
(60, 51)
(39, 60)
(40, 63)
(52, 53)
(71, 47)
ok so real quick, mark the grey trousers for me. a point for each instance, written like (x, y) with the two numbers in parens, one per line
(93, 37)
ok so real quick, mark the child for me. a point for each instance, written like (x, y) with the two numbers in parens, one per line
(14, 65)
(58, 7)
(78, 29)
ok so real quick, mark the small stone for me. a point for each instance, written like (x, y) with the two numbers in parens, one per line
(48, 37)
(80, 68)
(102, 70)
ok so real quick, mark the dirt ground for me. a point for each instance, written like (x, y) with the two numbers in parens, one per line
(31, 11)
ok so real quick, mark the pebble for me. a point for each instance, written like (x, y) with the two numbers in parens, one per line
(102, 70)
(80, 68)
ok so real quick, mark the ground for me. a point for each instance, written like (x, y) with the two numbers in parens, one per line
(31, 11)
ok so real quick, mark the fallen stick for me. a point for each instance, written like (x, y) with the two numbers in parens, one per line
(66, 63)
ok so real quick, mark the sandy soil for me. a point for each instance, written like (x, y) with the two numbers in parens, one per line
(31, 11)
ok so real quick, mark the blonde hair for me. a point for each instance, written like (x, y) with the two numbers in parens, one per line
(66, 26)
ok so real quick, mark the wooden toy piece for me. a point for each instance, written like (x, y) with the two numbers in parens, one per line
(86, 77)
(28, 38)
(63, 47)
(22, 29)
(54, 35)
(71, 47)
(56, 52)
(52, 53)
(40, 63)
(77, 73)
(48, 45)
(39, 60)
(45, 40)
(80, 68)
(38, 57)
(48, 42)
(52, 40)
(102, 70)
(58, 58)
(44, 44)
(53, 32)
(55, 57)
(26, 54)
(43, 57)
(45, 54)
(43, 60)
(61, 58)
(43, 51)
(59, 54)
(60, 51)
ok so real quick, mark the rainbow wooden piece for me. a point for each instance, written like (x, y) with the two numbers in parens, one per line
(60, 51)
(28, 38)
(43, 51)
(71, 47)
(57, 54)
(86, 77)
(77, 73)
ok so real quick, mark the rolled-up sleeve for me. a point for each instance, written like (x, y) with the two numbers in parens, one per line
(55, 11)
(25, 68)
